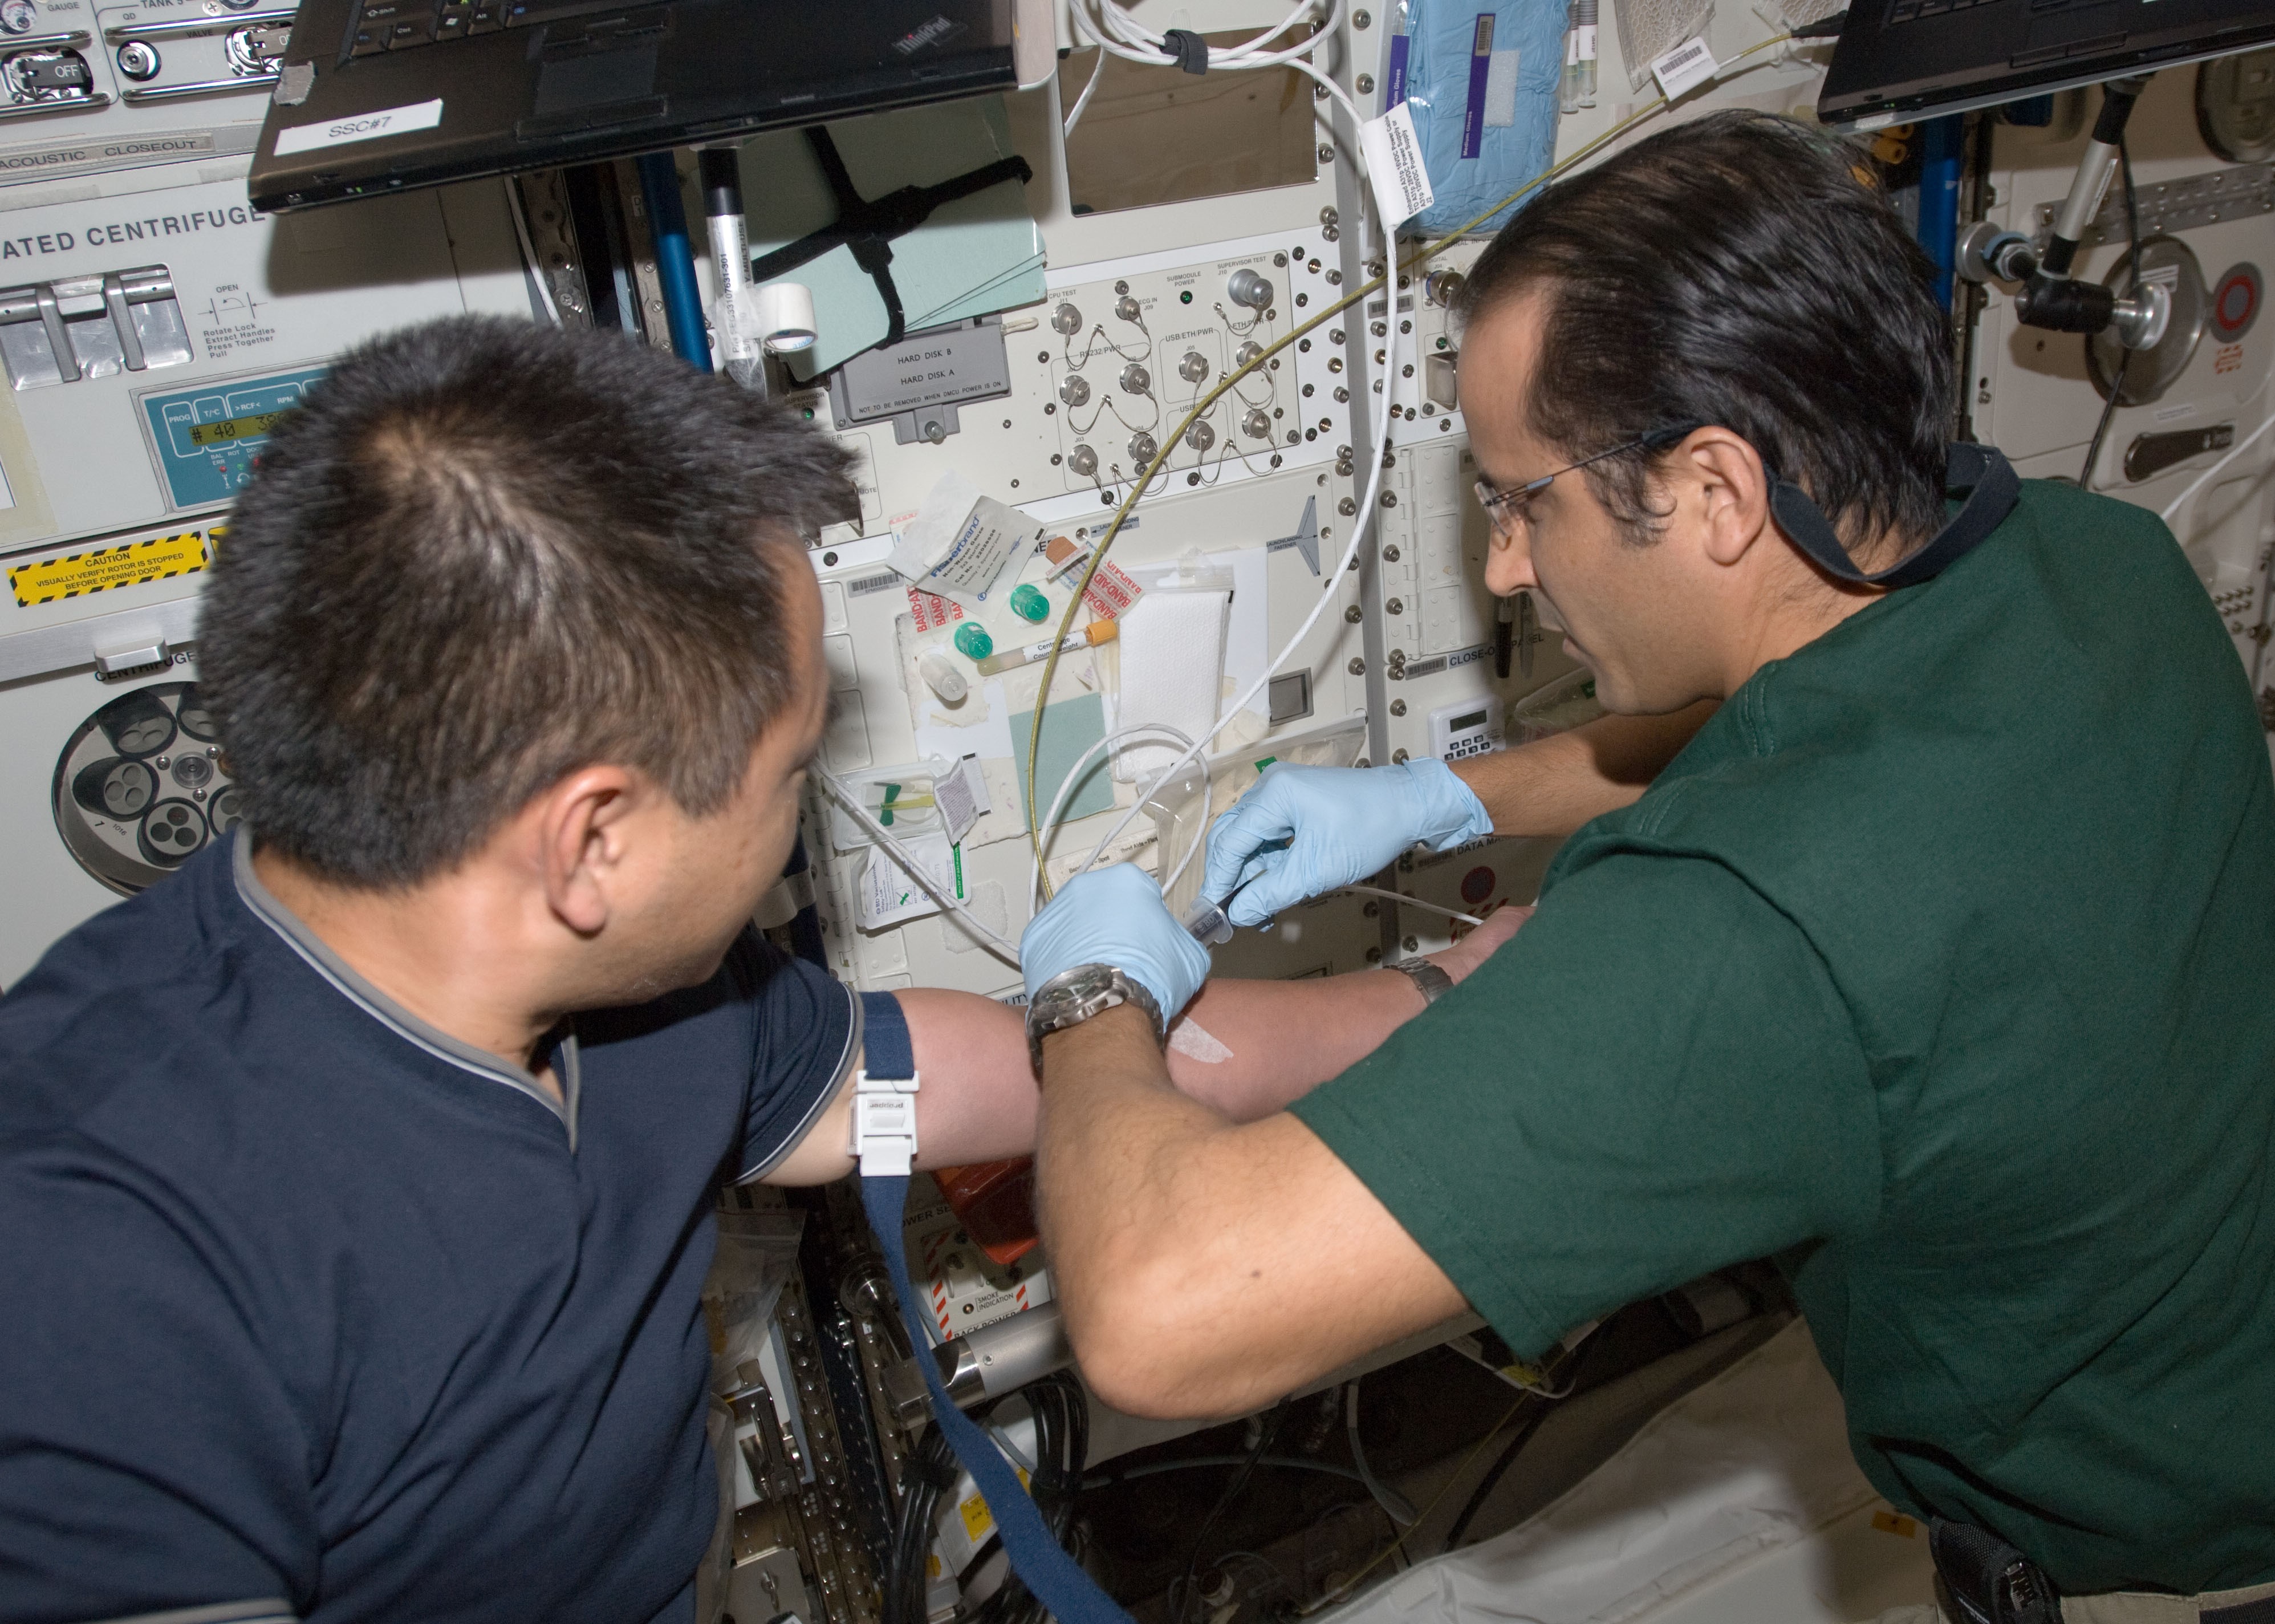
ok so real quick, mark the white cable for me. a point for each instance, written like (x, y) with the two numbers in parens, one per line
(529, 250)
(1359, 529)
(915, 869)
(1074, 115)
(1049, 828)
(1405, 901)
(1113, 31)
(2207, 476)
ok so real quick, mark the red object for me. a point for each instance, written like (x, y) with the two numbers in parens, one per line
(1476, 885)
(994, 1201)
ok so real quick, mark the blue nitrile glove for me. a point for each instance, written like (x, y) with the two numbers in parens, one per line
(1115, 915)
(1345, 823)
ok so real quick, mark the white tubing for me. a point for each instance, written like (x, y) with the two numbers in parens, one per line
(933, 888)
(2212, 472)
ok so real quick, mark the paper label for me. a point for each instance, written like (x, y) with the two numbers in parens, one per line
(1395, 169)
(364, 127)
(1684, 68)
(1500, 91)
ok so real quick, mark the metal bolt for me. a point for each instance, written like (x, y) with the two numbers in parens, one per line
(1326, 153)
(1398, 708)
(1280, 260)
(1371, 910)
(1375, 956)
(1354, 614)
(1377, 329)
(1396, 606)
(1398, 758)
(1327, 215)
(1347, 507)
(1390, 499)
(1365, 84)
(1361, 19)
(1357, 667)
(1411, 944)
(1390, 555)
(1341, 397)
(1332, 234)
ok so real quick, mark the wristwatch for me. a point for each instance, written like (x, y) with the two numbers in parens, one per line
(1434, 981)
(1074, 996)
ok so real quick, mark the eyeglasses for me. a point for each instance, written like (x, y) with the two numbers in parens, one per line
(1506, 509)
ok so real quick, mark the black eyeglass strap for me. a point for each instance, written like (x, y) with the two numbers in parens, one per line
(1981, 474)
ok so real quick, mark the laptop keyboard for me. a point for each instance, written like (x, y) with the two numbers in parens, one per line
(400, 25)
(1912, 11)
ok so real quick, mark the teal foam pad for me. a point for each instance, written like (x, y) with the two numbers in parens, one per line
(1070, 728)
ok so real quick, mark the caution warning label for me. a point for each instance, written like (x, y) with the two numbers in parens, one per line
(131, 564)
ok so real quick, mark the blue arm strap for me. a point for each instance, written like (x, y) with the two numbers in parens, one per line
(1058, 1581)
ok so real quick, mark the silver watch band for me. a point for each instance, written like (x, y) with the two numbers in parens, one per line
(1434, 981)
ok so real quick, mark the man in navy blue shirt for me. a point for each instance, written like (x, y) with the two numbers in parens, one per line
(356, 1182)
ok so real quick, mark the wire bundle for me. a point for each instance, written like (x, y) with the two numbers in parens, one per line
(1105, 26)
(1061, 1449)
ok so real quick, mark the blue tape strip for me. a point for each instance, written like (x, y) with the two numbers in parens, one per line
(1056, 1578)
(1058, 1581)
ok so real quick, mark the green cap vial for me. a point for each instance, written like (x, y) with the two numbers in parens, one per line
(1028, 602)
(972, 641)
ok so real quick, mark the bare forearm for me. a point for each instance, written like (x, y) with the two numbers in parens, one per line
(1266, 1043)
(1553, 786)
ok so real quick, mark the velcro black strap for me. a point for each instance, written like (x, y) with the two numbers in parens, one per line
(1991, 1581)
(1980, 473)
(867, 226)
(1191, 50)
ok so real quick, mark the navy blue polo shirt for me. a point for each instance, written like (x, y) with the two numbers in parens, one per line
(314, 1309)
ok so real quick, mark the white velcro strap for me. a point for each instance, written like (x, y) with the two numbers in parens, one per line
(884, 1124)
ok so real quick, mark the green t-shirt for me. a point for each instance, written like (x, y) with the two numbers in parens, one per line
(1942, 965)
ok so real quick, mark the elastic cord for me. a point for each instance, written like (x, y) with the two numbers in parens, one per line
(1981, 470)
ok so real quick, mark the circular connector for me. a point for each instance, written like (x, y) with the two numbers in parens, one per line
(1136, 380)
(1245, 287)
(1195, 367)
(1067, 320)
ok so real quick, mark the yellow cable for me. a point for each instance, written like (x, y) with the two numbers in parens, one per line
(1170, 444)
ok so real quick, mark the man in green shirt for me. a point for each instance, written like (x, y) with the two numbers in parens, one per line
(1937, 962)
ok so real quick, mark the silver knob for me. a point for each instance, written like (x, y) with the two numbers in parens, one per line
(137, 61)
(1200, 436)
(1126, 307)
(1245, 287)
(1067, 320)
(1195, 367)
(1257, 425)
(1143, 449)
(1136, 379)
(1074, 391)
(1082, 460)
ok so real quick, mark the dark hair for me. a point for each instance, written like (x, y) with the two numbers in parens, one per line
(1736, 270)
(484, 554)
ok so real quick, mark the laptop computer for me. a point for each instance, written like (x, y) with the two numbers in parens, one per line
(382, 95)
(1905, 59)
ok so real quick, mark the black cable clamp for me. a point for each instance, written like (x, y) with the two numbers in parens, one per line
(1191, 50)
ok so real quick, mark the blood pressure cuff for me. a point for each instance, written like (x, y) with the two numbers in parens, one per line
(1480, 81)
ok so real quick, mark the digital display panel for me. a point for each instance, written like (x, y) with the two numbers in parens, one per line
(1475, 719)
(235, 428)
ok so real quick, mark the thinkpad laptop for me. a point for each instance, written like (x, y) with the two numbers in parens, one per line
(380, 95)
(1902, 59)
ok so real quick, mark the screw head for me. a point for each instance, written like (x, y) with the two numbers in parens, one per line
(1411, 944)
(1365, 84)
(1398, 758)
(1354, 614)
(1398, 708)
(1327, 154)
(1361, 19)
(1390, 555)
(1396, 606)
(1357, 667)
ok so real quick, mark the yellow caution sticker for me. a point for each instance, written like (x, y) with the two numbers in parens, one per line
(977, 1521)
(98, 569)
(1895, 1522)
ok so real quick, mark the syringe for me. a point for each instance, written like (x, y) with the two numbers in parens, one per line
(1208, 923)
